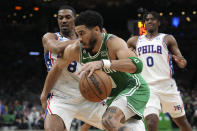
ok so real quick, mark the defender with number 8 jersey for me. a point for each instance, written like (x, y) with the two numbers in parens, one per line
(66, 100)
(67, 84)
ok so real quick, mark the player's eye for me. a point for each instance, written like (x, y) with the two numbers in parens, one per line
(60, 17)
(81, 33)
(68, 17)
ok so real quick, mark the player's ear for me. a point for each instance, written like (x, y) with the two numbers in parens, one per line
(104, 30)
(97, 29)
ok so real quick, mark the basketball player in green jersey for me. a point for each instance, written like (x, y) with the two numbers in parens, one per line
(110, 53)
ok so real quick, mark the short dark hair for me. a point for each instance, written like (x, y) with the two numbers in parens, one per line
(90, 19)
(64, 7)
(155, 15)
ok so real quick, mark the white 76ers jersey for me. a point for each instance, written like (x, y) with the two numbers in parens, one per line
(155, 57)
(66, 86)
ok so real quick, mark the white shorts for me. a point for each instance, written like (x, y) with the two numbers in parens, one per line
(135, 125)
(165, 102)
(121, 103)
(86, 111)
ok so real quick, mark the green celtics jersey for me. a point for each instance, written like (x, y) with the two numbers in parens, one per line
(121, 80)
(131, 86)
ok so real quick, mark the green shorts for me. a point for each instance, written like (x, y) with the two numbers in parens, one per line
(137, 95)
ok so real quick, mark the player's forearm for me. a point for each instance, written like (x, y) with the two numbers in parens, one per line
(124, 65)
(51, 79)
(57, 47)
(62, 45)
(131, 65)
(51, 43)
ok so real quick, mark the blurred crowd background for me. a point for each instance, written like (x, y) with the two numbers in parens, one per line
(22, 69)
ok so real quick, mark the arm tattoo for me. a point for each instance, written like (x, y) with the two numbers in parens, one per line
(109, 117)
(112, 110)
(111, 37)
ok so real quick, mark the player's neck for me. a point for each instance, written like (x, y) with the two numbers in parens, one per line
(71, 35)
(152, 35)
(98, 43)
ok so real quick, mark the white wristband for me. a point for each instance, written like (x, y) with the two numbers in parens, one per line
(106, 63)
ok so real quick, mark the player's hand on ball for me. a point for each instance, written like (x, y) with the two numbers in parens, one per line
(91, 67)
(43, 99)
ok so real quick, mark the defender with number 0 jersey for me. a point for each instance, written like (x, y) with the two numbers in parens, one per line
(156, 57)
(157, 72)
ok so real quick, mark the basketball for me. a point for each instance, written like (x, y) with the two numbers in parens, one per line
(95, 88)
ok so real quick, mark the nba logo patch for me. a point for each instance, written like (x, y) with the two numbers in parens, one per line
(103, 103)
(103, 53)
(178, 107)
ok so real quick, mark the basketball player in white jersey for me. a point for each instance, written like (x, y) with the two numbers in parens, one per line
(65, 102)
(155, 50)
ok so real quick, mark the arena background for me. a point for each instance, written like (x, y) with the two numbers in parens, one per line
(22, 69)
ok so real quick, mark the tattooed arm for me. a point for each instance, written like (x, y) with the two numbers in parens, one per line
(113, 119)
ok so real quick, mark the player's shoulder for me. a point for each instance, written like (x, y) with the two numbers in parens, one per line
(169, 40)
(48, 35)
(114, 40)
(133, 38)
(168, 37)
(132, 41)
(111, 37)
(45, 38)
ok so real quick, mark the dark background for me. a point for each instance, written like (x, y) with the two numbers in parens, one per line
(22, 75)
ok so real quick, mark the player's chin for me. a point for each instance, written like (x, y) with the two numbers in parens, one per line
(150, 30)
(65, 29)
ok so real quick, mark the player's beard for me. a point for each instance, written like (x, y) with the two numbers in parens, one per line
(66, 32)
(92, 43)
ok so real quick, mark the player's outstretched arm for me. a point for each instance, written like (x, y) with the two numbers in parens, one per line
(51, 79)
(54, 74)
(176, 54)
(50, 43)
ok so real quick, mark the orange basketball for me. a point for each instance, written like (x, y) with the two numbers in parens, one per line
(95, 88)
